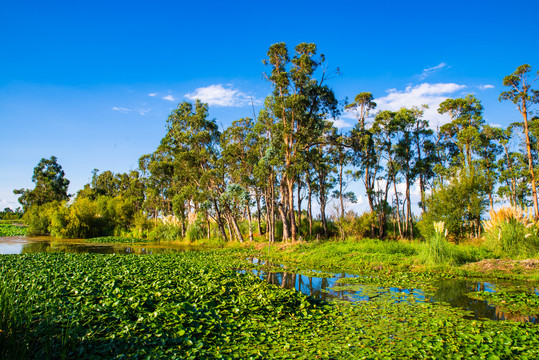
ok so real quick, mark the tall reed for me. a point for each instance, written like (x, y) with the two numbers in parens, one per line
(437, 249)
(511, 231)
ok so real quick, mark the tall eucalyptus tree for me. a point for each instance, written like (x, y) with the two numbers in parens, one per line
(300, 104)
(521, 94)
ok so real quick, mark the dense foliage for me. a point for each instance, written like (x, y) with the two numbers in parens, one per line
(12, 230)
(195, 305)
(258, 178)
(51, 185)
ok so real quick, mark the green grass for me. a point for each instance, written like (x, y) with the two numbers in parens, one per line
(350, 255)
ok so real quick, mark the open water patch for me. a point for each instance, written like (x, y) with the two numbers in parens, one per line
(453, 292)
(45, 244)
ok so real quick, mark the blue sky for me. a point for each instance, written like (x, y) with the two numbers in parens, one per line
(92, 83)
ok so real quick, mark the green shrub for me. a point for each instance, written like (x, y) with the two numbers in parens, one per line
(39, 217)
(194, 232)
(364, 224)
(166, 233)
(459, 204)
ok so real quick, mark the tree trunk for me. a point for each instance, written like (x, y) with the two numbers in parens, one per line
(236, 228)
(530, 160)
(309, 204)
(250, 221)
(410, 225)
(299, 206)
(291, 215)
(284, 219)
(258, 213)
(229, 231)
(397, 207)
(220, 224)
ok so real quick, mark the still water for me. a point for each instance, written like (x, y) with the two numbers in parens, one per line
(41, 244)
(452, 292)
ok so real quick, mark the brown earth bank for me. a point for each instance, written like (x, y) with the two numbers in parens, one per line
(505, 265)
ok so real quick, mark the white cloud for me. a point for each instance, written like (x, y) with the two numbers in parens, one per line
(169, 98)
(9, 203)
(341, 124)
(152, 94)
(426, 72)
(218, 95)
(423, 94)
(144, 111)
(485, 87)
(121, 109)
(495, 125)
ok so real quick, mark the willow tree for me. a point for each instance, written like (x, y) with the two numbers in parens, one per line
(523, 96)
(300, 104)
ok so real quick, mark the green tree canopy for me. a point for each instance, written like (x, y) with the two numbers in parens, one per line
(51, 184)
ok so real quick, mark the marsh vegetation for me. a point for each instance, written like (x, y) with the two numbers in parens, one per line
(249, 191)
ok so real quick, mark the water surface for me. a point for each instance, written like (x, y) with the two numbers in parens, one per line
(452, 291)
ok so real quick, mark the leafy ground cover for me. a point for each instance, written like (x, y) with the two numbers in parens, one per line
(523, 303)
(196, 305)
(12, 230)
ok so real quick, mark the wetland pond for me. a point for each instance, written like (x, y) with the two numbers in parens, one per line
(457, 293)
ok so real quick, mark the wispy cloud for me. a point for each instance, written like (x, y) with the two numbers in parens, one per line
(341, 124)
(424, 94)
(152, 94)
(426, 72)
(169, 98)
(485, 87)
(144, 111)
(121, 109)
(218, 95)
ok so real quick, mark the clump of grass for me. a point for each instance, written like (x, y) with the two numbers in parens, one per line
(511, 231)
(14, 321)
(437, 249)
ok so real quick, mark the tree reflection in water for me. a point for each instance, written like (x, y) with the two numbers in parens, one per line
(452, 292)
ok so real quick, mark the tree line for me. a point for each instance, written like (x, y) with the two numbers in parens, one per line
(261, 175)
